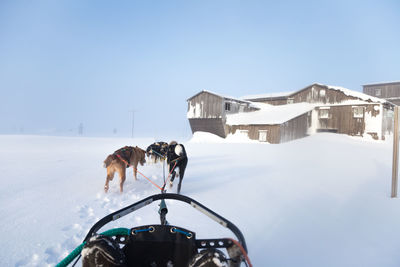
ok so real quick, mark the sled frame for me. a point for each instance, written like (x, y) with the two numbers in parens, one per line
(147, 201)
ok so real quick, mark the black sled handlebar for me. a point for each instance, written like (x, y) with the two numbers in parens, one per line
(144, 202)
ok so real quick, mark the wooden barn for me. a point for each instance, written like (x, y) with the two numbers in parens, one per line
(284, 117)
(273, 124)
(315, 93)
(207, 112)
(386, 90)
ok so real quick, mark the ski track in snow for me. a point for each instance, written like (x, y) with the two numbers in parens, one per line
(102, 203)
(75, 233)
(331, 207)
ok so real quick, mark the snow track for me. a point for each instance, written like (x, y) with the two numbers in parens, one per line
(318, 201)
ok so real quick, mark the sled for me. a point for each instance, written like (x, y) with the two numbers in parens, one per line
(163, 244)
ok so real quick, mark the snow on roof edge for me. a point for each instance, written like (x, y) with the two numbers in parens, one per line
(381, 83)
(357, 94)
(267, 95)
(272, 115)
(346, 91)
(223, 96)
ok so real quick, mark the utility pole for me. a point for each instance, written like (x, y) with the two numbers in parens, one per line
(395, 163)
(80, 129)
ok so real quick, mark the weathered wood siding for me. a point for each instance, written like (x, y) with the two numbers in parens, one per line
(320, 94)
(341, 120)
(214, 126)
(273, 131)
(312, 94)
(205, 105)
(207, 112)
(388, 91)
(295, 128)
(271, 101)
(279, 133)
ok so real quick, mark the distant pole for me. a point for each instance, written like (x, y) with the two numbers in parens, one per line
(395, 152)
(80, 129)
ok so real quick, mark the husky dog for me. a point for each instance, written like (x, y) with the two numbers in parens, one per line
(157, 151)
(176, 158)
(122, 159)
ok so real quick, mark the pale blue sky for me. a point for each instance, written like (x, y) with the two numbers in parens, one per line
(63, 63)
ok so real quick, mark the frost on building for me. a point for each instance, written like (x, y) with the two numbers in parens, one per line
(389, 91)
(207, 112)
(278, 118)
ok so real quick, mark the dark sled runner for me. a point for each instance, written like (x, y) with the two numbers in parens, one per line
(159, 244)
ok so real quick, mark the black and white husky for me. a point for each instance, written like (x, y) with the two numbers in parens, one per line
(176, 159)
(157, 151)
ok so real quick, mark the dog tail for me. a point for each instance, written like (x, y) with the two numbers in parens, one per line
(108, 161)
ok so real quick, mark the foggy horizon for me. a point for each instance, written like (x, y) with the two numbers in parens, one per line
(70, 63)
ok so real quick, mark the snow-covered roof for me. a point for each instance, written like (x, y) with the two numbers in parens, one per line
(346, 91)
(357, 94)
(268, 95)
(346, 103)
(382, 83)
(269, 114)
(277, 114)
(223, 96)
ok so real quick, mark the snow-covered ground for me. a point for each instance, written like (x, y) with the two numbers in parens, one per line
(323, 200)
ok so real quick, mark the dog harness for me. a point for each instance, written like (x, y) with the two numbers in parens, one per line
(127, 162)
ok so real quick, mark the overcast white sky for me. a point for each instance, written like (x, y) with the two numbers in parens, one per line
(63, 63)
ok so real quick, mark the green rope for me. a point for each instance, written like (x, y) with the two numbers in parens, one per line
(117, 231)
(112, 232)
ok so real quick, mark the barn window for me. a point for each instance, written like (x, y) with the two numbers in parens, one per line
(244, 132)
(378, 92)
(227, 106)
(322, 93)
(323, 114)
(290, 100)
(262, 135)
(358, 112)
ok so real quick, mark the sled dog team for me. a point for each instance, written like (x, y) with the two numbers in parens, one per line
(128, 156)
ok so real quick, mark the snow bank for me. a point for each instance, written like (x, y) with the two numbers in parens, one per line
(204, 137)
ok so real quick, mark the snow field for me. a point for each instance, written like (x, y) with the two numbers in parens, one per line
(318, 201)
